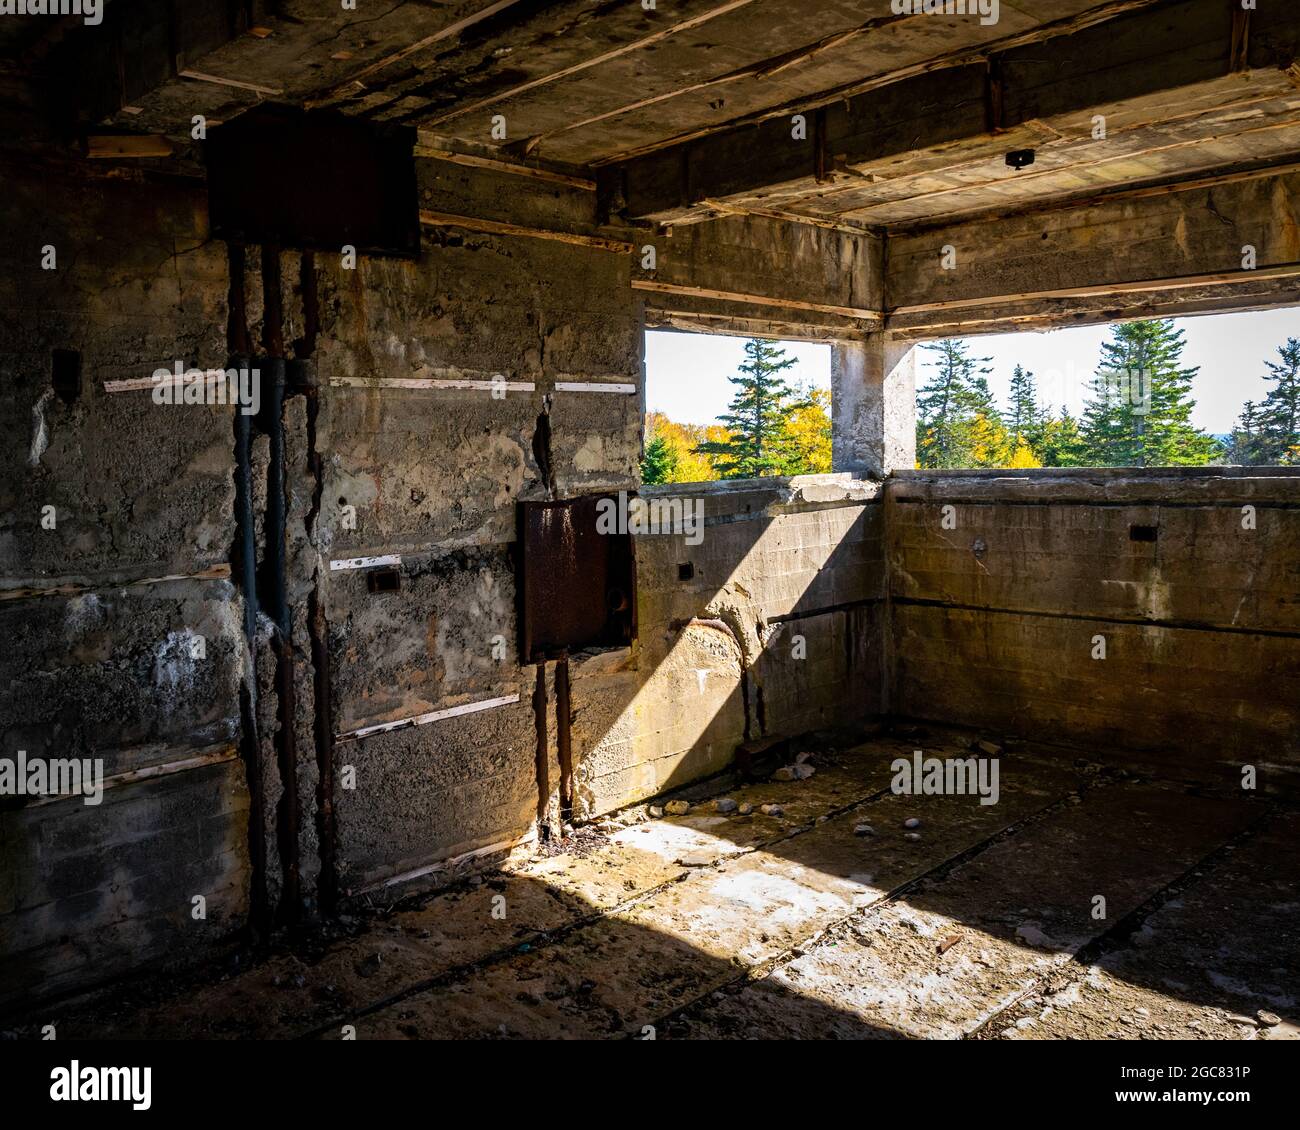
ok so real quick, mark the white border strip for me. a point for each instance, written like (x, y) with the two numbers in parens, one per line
(138, 384)
(432, 716)
(499, 848)
(365, 562)
(423, 383)
(590, 386)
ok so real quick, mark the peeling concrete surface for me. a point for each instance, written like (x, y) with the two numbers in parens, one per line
(797, 926)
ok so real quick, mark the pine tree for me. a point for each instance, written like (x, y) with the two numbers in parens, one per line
(1140, 413)
(758, 443)
(958, 424)
(1024, 418)
(1060, 443)
(659, 462)
(1279, 415)
(1244, 447)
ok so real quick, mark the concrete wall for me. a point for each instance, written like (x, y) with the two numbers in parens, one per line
(271, 773)
(771, 626)
(995, 620)
(103, 659)
(251, 774)
(434, 474)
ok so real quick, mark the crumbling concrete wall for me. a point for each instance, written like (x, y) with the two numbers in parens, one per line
(123, 632)
(1131, 610)
(428, 400)
(432, 436)
(387, 730)
(770, 626)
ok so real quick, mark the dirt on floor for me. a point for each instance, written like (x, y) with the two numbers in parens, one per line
(1086, 903)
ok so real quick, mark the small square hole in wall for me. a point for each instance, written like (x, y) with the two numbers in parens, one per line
(383, 580)
(65, 374)
(686, 572)
(1142, 533)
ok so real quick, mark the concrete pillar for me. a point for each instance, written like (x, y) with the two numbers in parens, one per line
(873, 390)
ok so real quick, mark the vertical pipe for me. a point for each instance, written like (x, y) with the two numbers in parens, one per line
(244, 569)
(564, 738)
(287, 817)
(543, 753)
(317, 621)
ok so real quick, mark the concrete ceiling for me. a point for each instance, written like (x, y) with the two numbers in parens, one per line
(689, 105)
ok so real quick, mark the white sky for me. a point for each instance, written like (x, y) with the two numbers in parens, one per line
(686, 374)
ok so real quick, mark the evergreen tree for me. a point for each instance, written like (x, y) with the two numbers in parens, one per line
(1279, 415)
(757, 443)
(1244, 447)
(1024, 419)
(1140, 413)
(659, 462)
(958, 424)
(1059, 442)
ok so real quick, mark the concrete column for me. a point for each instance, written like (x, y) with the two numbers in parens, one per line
(873, 390)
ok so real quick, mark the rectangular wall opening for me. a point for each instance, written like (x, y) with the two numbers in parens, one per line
(1215, 390)
(726, 408)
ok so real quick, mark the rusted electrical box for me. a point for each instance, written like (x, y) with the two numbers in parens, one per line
(314, 179)
(577, 586)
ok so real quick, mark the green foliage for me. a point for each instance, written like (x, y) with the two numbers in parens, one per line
(758, 440)
(957, 420)
(1024, 419)
(1140, 411)
(1059, 443)
(1268, 433)
(659, 462)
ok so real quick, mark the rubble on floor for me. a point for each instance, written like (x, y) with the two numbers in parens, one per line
(822, 906)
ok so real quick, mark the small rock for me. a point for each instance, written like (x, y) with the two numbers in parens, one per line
(725, 804)
(990, 748)
(696, 859)
(801, 758)
(568, 829)
(772, 810)
(864, 830)
(1033, 935)
(785, 773)
(913, 836)
(796, 772)
(677, 807)
(911, 822)
(656, 811)
(1268, 1019)
(745, 809)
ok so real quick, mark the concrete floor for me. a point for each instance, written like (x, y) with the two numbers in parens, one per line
(793, 926)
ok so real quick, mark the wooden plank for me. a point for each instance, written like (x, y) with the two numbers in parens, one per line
(497, 227)
(587, 64)
(108, 146)
(238, 84)
(961, 57)
(754, 299)
(76, 588)
(452, 29)
(1105, 290)
(1231, 176)
(512, 168)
